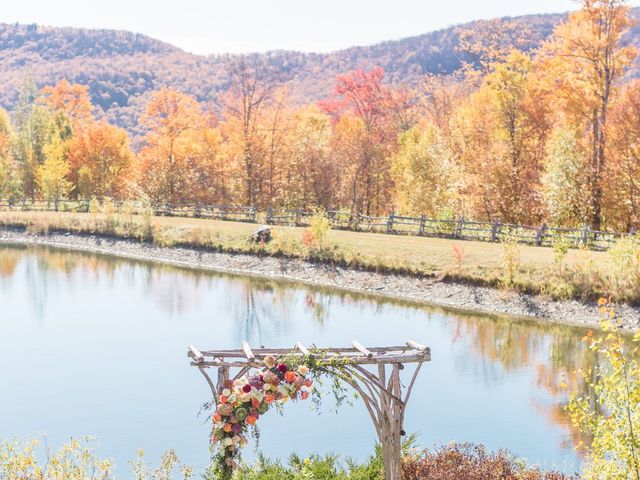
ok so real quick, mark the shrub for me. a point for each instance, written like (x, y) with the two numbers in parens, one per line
(458, 256)
(610, 413)
(560, 247)
(320, 228)
(624, 271)
(510, 260)
(77, 460)
(165, 237)
(470, 462)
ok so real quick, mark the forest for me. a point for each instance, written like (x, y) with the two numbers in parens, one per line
(550, 134)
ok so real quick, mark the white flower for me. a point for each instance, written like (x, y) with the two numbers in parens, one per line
(267, 386)
(226, 392)
(227, 441)
(303, 369)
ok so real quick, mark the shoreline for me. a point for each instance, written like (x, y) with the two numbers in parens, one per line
(426, 291)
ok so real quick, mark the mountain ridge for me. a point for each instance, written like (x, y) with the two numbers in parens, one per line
(122, 68)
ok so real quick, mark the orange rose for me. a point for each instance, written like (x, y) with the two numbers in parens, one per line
(255, 402)
(227, 427)
(304, 395)
(223, 399)
(309, 382)
(290, 377)
(251, 420)
(268, 399)
(217, 417)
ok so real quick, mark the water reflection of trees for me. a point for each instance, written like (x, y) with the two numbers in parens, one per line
(9, 258)
(266, 312)
(554, 352)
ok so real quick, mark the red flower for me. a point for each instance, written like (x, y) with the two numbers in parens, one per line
(246, 388)
(282, 368)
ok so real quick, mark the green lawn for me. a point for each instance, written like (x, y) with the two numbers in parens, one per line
(584, 273)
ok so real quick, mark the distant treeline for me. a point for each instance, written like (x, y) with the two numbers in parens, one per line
(527, 137)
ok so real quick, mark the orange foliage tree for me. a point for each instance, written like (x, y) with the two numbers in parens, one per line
(165, 166)
(100, 158)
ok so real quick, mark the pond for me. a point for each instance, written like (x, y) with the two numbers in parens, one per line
(94, 345)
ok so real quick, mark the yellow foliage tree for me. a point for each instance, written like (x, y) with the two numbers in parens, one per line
(53, 173)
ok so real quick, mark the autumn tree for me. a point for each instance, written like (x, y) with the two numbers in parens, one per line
(500, 137)
(564, 180)
(252, 90)
(310, 173)
(215, 177)
(54, 171)
(622, 182)
(361, 94)
(165, 166)
(100, 160)
(422, 171)
(9, 173)
(583, 63)
(71, 99)
(34, 129)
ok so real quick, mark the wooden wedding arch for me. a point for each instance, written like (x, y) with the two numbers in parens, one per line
(373, 372)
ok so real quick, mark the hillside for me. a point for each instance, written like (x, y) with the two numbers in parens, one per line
(122, 68)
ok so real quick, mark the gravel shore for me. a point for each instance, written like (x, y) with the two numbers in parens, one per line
(427, 291)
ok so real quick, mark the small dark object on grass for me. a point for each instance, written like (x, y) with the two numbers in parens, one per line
(263, 234)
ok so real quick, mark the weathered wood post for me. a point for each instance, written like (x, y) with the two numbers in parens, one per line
(422, 224)
(540, 234)
(458, 229)
(495, 231)
(585, 235)
(390, 223)
(269, 215)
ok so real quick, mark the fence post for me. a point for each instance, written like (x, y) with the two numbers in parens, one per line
(298, 216)
(390, 223)
(585, 235)
(459, 226)
(422, 225)
(540, 234)
(495, 231)
(269, 215)
(197, 210)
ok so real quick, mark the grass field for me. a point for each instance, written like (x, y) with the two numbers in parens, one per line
(579, 273)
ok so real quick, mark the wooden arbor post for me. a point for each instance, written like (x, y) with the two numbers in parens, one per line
(373, 372)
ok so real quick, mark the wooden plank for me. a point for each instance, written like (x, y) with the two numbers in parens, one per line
(247, 351)
(416, 346)
(196, 354)
(362, 349)
(302, 348)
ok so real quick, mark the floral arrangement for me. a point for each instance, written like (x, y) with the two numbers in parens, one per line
(244, 400)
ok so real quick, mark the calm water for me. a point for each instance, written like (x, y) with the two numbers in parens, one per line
(91, 345)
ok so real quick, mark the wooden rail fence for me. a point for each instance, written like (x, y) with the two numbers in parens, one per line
(393, 224)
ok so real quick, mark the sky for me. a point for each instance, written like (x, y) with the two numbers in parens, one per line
(214, 26)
